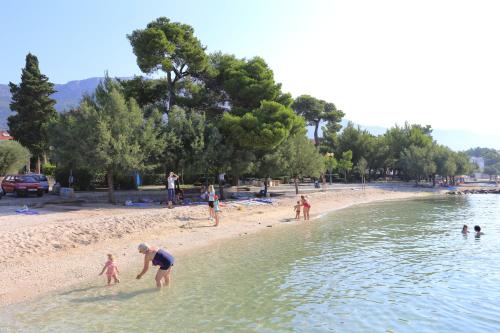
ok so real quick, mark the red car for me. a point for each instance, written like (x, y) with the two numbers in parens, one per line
(21, 185)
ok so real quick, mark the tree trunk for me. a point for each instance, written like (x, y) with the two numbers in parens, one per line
(111, 190)
(171, 92)
(221, 188)
(38, 164)
(265, 186)
(316, 139)
(235, 179)
(345, 177)
(295, 181)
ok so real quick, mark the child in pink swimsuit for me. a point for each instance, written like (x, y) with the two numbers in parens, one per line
(111, 270)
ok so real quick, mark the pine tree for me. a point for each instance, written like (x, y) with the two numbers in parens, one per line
(34, 109)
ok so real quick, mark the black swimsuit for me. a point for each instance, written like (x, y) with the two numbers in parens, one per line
(163, 259)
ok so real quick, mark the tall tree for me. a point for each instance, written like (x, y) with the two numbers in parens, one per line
(345, 164)
(258, 132)
(170, 47)
(34, 109)
(106, 133)
(314, 111)
(417, 162)
(185, 135)
(361, 168)
(301, 158)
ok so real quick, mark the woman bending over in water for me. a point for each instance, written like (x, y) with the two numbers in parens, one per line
(158, 257)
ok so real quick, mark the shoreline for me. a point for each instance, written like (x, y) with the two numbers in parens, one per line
(53, 251)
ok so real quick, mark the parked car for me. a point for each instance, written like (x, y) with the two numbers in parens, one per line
(21, 185)
(44, 182)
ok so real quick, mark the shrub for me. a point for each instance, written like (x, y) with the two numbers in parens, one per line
(48, 169)
(13, 156)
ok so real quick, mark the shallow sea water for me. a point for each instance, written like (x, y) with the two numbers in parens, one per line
(400, 266)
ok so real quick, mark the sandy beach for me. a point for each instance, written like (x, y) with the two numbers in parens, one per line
(57, 249)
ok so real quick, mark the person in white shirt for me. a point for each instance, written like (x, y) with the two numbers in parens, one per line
(171, 186)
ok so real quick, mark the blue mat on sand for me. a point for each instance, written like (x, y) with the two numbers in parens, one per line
(27, 212)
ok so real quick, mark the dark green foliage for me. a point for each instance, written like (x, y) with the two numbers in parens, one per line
(314, 111)
(417, 162)
(33, 108)
(48, 169)
(83, 179)
(170, 47)
(106, 134)
(184, 138)
(262, 129)
(345, 163)
(146, 92)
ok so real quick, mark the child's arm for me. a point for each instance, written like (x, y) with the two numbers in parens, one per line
(117, 269)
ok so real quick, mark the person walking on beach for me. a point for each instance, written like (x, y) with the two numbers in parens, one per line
(171, 188)
(297, 210)
(211, 199)
(306, 205)
(158, 257)
(111, 270)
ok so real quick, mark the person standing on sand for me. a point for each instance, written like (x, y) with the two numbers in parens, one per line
(216, 210)
(158, 257)
(111, 270)
(171, 188)
(211, 199)
(297, 210)
(306, 205)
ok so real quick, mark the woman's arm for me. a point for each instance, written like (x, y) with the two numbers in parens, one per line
(145, 269)
(103, 269)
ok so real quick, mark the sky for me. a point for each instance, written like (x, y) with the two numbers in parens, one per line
(382, 62)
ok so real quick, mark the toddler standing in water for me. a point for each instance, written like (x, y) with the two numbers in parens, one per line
(111, 269)
(297, 210)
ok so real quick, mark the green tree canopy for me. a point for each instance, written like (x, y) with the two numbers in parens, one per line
(170, 47)
(13, 157)
(345, 163)
(106, 133)
(33, 109)
(417, 162)
(314, 111)
(300, 158)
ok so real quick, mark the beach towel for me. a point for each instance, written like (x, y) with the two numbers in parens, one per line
(129, 203)
(26, 211)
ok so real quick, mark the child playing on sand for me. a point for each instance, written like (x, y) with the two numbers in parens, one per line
(216, 210)
(297, 210)
(111, 269)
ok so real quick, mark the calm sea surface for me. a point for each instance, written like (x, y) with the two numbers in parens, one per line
(400, 266)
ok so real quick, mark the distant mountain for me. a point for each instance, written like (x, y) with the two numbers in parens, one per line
(67, 95)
